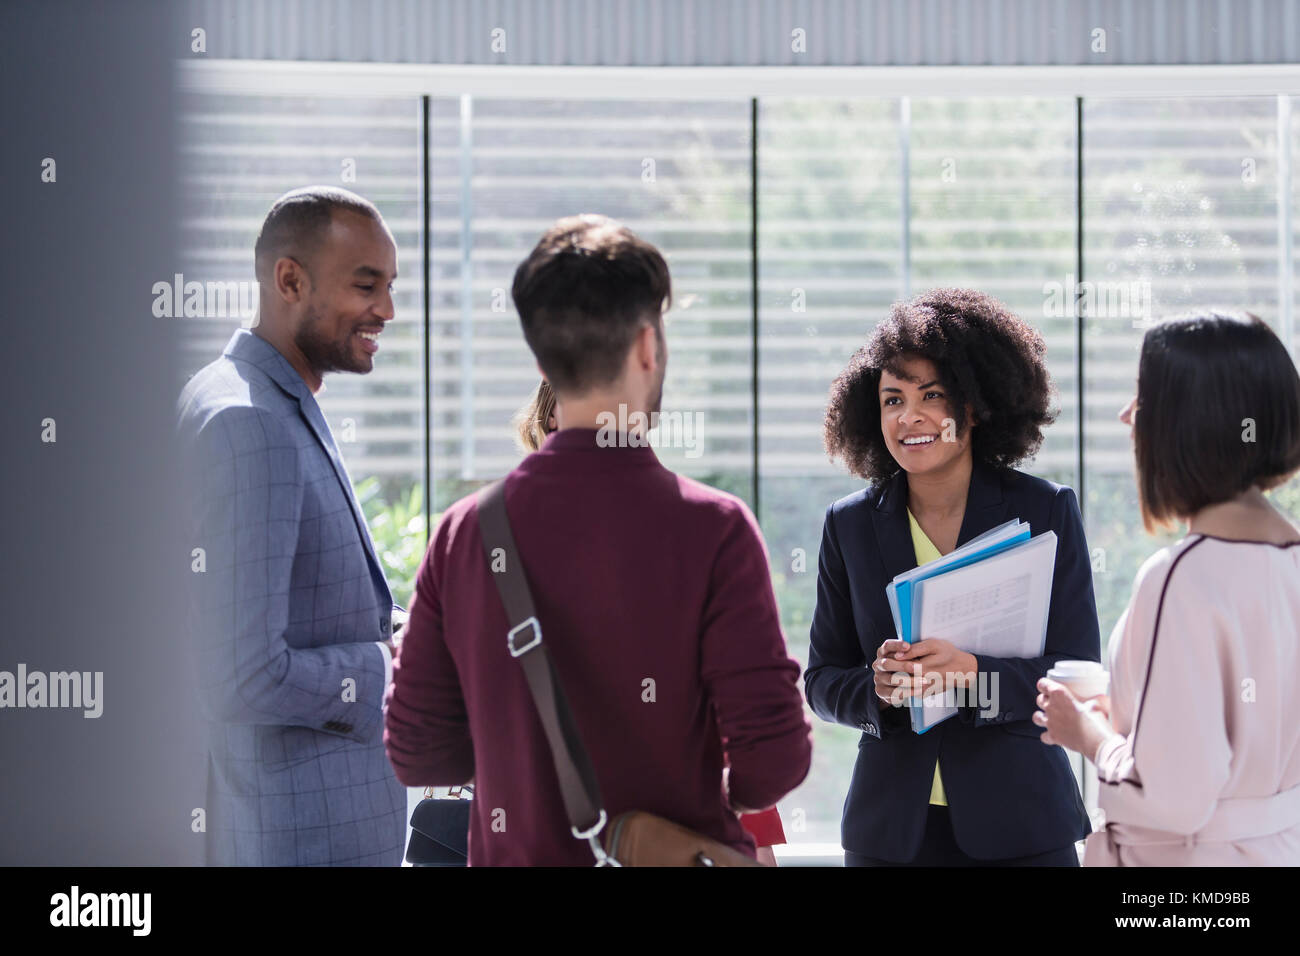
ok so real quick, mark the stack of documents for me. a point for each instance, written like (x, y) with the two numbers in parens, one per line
(991, 596)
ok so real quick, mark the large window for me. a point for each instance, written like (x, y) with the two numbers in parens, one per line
(1181, 211)
(502, 172)
(1087, 217)
(238, 154)
(861, 203)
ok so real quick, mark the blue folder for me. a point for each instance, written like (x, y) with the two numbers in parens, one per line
(909, 615)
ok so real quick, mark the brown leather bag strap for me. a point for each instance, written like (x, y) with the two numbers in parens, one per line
(573, 769)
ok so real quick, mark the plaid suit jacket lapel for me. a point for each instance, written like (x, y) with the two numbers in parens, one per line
(257, 351)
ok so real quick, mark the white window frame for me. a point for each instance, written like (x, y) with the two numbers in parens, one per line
(338, 79)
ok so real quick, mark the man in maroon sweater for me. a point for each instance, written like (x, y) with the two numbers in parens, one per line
(652, 591)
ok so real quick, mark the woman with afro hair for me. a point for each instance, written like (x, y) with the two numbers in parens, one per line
(949, 394)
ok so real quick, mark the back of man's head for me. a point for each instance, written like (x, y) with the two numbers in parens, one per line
(582, 293)
(297, 223)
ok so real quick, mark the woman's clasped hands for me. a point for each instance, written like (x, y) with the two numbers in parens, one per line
(917, 669)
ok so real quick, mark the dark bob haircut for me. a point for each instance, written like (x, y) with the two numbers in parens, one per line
(582, 293)
(1218, 412)
(986, 357)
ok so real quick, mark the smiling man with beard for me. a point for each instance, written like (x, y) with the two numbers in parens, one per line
(291, 613)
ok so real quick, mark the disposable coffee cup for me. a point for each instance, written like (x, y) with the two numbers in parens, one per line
(1084, 678)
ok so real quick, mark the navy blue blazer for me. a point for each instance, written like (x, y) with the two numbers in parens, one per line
(1008, 795)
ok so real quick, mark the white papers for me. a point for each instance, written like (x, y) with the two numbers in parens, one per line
(899, 591)
(996, 607)
(991, 596)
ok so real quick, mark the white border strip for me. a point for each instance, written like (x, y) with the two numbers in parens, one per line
(308, 78)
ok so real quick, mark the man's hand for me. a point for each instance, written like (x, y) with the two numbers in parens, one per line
(926, 667)
(726, 790)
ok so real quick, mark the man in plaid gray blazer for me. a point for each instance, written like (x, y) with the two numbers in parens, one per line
(291, 611)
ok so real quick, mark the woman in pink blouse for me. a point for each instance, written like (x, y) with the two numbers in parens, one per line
(1197, 746)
